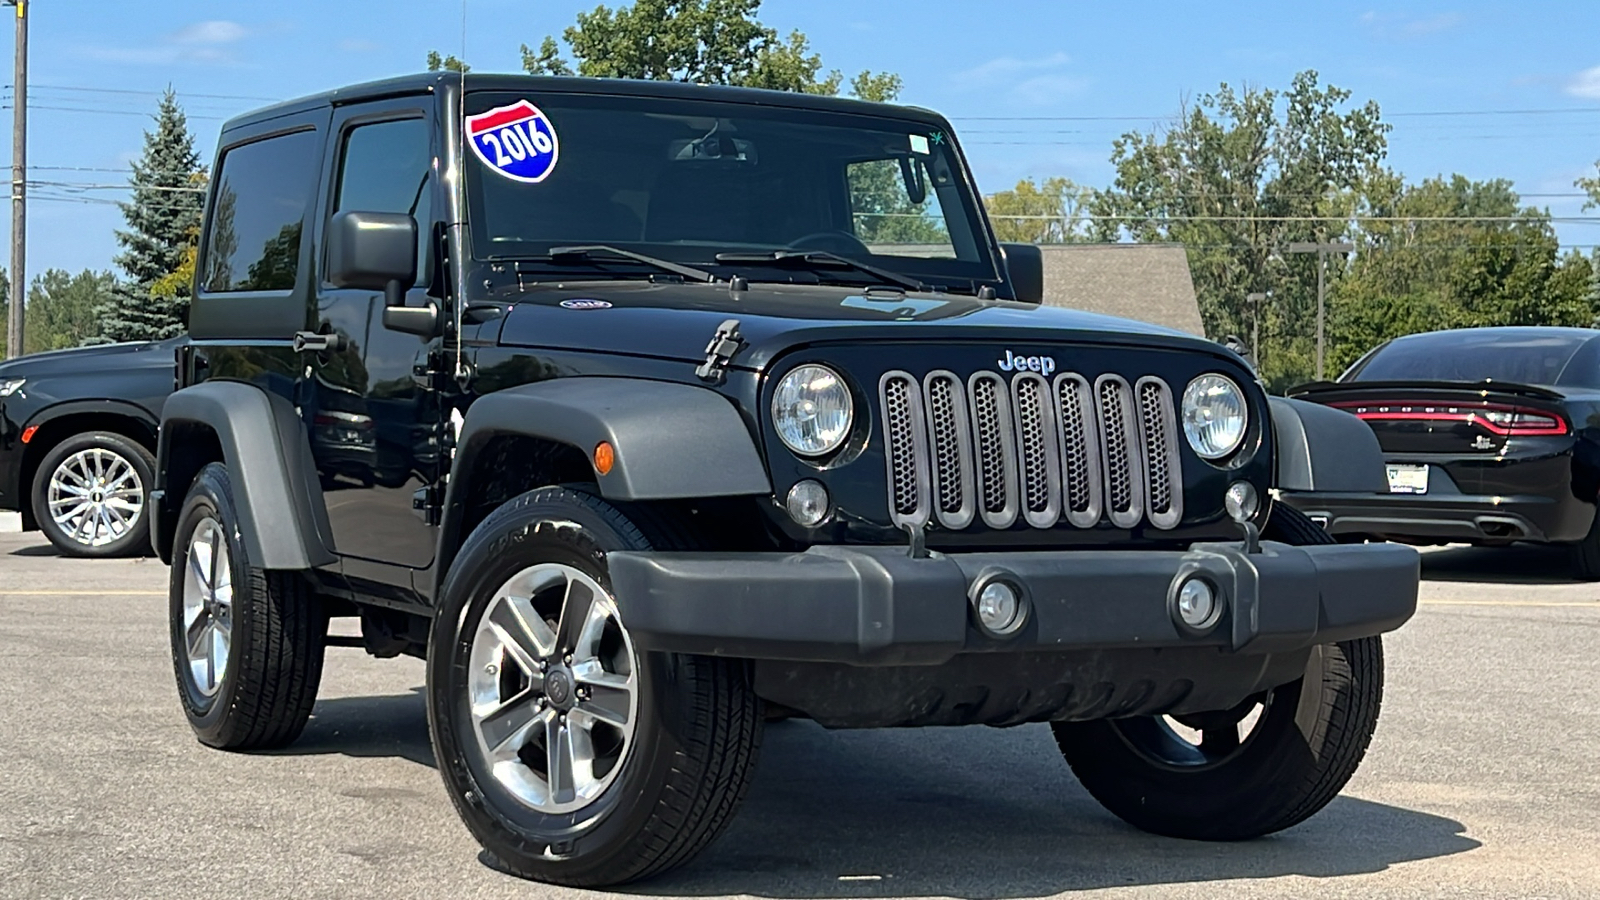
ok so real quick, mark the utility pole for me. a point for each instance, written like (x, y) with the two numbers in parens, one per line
(1255, 327)
(1321, 249)
(19, 184)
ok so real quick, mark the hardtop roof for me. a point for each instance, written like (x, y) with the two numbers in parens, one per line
(425, 82)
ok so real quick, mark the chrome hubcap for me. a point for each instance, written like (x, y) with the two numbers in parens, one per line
(552, 688)
(208, 607)
(95, 497)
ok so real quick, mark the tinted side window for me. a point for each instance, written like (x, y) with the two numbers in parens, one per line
(384, 167)
(263, 191)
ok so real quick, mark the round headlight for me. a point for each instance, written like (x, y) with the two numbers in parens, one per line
(811, 410)
(1214, 416)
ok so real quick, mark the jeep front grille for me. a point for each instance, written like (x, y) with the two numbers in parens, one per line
(1042, 450)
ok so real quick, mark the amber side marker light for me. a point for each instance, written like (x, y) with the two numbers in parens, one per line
(604, 457)
(27, 433)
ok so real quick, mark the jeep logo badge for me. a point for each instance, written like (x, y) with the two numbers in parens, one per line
(1044, 365)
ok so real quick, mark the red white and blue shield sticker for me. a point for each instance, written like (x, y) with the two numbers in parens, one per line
(516, 141)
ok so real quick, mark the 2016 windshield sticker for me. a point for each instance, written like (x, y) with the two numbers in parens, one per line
(919, 144)
(516, 141)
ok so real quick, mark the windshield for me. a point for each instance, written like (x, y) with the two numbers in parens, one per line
(685, 180)
(1526, 356)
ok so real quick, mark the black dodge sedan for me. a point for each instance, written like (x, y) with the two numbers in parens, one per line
(77, 442)
(1491, 435)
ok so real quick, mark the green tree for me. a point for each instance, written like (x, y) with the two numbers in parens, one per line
(1592, 185)
(63, 308)
(163, 217)
(1055, 211)
(5, 309)
(1236, 178)
(1452, 253)
(699, 41)
(1593, 294)
(437, 63)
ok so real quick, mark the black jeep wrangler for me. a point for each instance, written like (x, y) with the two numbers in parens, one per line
(650, 412)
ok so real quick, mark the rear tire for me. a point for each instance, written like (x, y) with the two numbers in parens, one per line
(91, 496)
(1306, 741)
(553, 789)
(247, 644)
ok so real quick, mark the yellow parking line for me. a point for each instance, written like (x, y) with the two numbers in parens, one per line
(1589, 604)
(83, 593)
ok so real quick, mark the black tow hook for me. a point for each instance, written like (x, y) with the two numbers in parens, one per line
(919, 541)
(1252, 537)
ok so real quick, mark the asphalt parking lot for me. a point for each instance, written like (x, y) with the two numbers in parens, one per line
(1481, 781)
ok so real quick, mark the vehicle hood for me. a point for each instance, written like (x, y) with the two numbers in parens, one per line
(98, 358)
(677, 321)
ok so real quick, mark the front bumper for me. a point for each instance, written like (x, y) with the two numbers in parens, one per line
(876, 606)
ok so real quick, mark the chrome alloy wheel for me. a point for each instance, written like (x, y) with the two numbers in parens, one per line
(208, 606)
(552, 688)
(95, 496)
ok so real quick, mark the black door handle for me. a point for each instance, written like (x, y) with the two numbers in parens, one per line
(320, 343)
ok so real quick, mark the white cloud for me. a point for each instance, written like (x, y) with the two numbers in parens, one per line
(1009, 67)
(205, 43)
(1393, 26)
(1586, 84)
(1033, 82)
(1047, 89)
(213, 32)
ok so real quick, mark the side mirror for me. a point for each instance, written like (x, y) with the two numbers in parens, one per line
(1024, 271)
(373, 251)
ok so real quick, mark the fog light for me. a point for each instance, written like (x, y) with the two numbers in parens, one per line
(1241, 501)
(1197, 603)
(999, 608)
(808, 502)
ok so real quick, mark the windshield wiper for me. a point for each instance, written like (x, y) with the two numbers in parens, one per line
(589, 251)
(819, 258)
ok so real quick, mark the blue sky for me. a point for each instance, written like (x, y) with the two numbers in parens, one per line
(1036, 87)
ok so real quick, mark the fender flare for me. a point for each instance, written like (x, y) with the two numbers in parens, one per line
(1323, 449)
(283, 520)
(108, 407)
(671, 441)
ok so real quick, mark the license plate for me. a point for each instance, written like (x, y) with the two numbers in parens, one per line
(1405, 479)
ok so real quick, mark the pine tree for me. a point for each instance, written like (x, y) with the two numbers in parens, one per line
(163, 218)
(1594, 286)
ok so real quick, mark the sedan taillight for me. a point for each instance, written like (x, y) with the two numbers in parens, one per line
(1506, 421)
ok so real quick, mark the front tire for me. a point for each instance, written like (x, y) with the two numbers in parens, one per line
(90, 496)
(1266, 765)
(247, 644)
(572, 757)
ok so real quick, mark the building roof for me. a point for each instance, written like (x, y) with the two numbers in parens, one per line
(1146, 282)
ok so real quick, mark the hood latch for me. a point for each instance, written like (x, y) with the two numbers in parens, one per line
(724, 344)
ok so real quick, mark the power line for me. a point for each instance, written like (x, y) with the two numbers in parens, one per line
(78, 185)
(101, 90)
(1429, 113)
(1572, 220)
(111, 112)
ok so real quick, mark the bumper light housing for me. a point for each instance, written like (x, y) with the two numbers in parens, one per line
(807, 503)
(1196, 604)
(999, 606)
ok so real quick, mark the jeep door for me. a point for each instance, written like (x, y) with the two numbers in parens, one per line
(375, 429)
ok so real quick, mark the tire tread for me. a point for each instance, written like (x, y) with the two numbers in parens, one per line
(720, 735)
